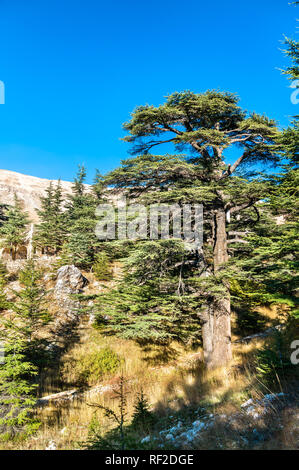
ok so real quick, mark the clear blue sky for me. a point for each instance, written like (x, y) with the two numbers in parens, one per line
(75, 69)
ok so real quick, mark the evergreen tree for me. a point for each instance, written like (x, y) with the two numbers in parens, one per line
(3, 271)
(30, 302)
(82, 242)
(22, 347)
(116, 438)
(17, 392)
(28, 315)
(14, 229)
(99, 185)
(51, 231)
(155, 300)
(142, 416)
(206, 124)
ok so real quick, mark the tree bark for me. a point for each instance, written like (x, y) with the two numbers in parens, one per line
(216, 330)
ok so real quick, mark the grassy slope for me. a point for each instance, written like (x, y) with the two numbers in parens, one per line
(172, 379)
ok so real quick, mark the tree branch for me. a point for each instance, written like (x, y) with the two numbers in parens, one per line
(243, 206)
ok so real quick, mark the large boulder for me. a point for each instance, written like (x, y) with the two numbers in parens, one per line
(70, 280)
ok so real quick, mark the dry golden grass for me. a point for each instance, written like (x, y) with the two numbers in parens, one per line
(170, 377)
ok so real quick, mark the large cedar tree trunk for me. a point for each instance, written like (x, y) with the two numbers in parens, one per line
(216, 330)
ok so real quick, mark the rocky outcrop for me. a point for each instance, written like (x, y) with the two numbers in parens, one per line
(69, 281)
(255, 422)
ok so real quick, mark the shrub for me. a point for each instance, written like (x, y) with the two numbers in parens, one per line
(142, 418)
(95, 365)
(102, 268)
(273, 361)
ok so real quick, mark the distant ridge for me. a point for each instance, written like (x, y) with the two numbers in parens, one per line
(28, 189)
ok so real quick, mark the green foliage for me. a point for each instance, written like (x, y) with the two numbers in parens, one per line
(30, 303)
(64, 258)
(29, 314)
(102, 268)
(168, 287)
(115, 439)
(124, 435)
(95, 365)
(4, 304)
(16, 390)
(3, 271)
(102, 439)
(13, 230)
(51, 231)
(142, 418)
(153, 301)
(203, 121)
(23, 352)
(273, 362)
(82, 242)
(267, 265)
(292, 52)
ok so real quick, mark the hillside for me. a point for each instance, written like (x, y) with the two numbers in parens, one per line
(95, 333)
(28, 189)
(190, 408)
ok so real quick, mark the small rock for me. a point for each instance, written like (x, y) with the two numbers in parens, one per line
(247, 403)
(51, 446)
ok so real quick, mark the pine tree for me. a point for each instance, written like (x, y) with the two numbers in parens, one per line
(206, 125)
(28, 315)
(82, 242)
(29, 306)
(3, 271)
(51, 231)
(142, 416)
(17, 392)
(3, 208)
(98, 186)
(22, 347)
(14, 229)
(155, 299)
